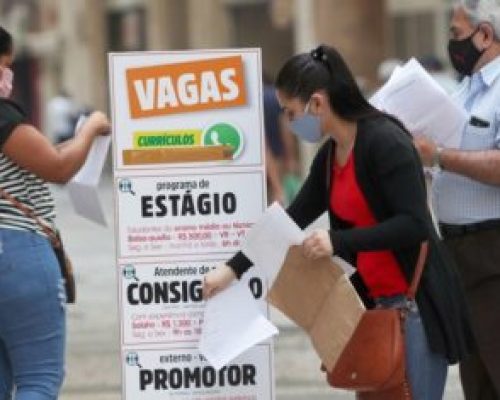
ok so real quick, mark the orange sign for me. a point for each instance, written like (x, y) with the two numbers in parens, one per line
(185, 87)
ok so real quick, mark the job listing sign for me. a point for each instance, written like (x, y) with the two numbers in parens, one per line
(188, 160)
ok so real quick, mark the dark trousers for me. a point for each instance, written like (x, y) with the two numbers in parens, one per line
(477, 256)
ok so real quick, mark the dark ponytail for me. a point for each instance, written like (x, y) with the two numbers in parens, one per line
(325, 69)
(5, 42)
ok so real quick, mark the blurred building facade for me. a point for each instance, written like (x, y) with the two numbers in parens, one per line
(62, 44)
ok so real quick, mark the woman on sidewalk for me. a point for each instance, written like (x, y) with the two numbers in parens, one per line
(369, 178)
(32, 298)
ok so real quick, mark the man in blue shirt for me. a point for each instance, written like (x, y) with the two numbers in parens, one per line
(466, 188)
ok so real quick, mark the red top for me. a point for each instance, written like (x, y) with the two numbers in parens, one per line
(379, 269)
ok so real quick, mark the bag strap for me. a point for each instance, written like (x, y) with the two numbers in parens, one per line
(31, 214)
(419, 269)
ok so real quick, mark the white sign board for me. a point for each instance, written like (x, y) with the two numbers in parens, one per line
(190, 109)
(188, 151)
(185, 374)
(171, 215)
(161, 303)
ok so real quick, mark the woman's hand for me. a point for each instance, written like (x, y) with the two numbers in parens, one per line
(318, 245)
(98, 124)
(217, 280)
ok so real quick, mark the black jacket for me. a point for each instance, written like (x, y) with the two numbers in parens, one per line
(389, 173)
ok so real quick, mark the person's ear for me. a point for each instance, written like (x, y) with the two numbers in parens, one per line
(488, 36)
(318, 103)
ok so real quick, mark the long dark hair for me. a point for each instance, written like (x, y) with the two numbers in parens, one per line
(5, 42)
(325, 69)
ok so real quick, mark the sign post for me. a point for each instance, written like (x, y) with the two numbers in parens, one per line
(189, 177)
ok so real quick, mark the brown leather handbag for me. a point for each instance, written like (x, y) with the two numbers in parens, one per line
(63, 260)
(373, 361)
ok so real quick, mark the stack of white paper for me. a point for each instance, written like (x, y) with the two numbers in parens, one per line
(418, 101)
(83, 187)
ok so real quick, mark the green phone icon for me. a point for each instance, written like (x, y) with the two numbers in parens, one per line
(224, 134)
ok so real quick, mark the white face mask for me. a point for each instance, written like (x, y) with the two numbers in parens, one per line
(6, 79)
(307, 127)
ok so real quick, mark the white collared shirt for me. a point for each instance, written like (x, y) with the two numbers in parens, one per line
(456, 198)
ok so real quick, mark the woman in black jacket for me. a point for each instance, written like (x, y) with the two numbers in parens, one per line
(369, 178)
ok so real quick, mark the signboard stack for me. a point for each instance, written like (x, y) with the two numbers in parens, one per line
(188, 149)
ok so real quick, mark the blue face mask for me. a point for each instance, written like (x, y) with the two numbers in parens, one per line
(307, 127)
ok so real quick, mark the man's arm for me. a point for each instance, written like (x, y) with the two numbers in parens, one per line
(480, 165)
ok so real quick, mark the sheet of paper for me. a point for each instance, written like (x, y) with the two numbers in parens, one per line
(232, 324)
(83, 187)
(92, 169)
(346, 267)
(422, 105)
(267, 243)
(318, 297)
(86, 202)
(90, 172)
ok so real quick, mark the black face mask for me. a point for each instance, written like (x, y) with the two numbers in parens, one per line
(463, 54)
